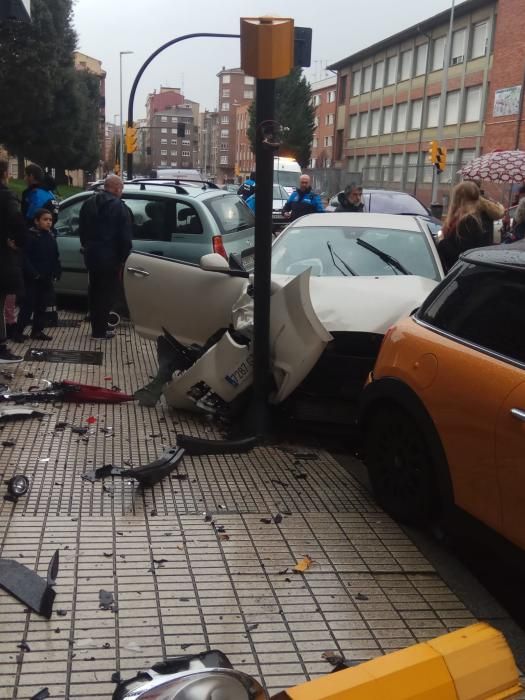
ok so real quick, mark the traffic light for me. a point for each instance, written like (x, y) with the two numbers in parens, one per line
(302, 47)
(131, 139)
(432, 152)
(441, 159)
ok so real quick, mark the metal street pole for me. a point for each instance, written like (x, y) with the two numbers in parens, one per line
(443, 100)
(121, 156)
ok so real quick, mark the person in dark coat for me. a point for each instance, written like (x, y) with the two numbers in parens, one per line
(463, 227)
(303, 201)
(13, 235)
(105, 231)
(248, 187)
(39, 194)
(41, 268)
(351, 200)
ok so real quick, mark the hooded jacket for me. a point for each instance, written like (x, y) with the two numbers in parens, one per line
(41, 258)
(105, 231)
(35, 198)
(345, 205)
(301, 203)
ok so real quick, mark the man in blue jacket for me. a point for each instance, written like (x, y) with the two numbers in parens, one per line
(105, 236)
(37, 195)
(303, 201)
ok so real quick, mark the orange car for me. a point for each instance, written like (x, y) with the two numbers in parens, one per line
(443, 413)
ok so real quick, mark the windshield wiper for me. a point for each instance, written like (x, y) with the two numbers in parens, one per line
(393, 262)
(336, 255)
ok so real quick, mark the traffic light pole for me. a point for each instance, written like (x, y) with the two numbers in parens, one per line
(146, 63)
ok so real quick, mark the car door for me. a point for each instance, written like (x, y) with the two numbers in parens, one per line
(189, 302)
(74, 274)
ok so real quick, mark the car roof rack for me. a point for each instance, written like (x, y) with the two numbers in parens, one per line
(173, 182)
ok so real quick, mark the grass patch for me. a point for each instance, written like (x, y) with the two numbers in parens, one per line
(63, 190)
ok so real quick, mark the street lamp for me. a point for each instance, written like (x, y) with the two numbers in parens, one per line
(121, 159)
(115, 139)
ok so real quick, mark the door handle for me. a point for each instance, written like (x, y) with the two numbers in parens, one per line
(138, 271)
(518, 414)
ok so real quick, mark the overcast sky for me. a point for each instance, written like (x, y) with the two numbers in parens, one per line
(106, 27)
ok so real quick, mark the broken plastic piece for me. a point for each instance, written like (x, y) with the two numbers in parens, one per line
(26, 585)
(152, 473)
(304, 564)
(16, 412)
(103, 472)
(42, 694)
(198, 446)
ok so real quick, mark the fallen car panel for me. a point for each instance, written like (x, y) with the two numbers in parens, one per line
(28, 587)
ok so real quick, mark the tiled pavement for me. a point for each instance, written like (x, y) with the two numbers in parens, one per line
(178, 582)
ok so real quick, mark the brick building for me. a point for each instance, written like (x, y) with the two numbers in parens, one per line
(388, 96)
(208, 143)
(244, 156)
(172, 138)
(94, 66)
(323, 99)
(234, 89)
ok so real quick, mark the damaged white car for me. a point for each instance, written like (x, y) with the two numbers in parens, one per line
(339, 281)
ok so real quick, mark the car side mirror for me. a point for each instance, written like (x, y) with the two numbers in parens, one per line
(213, 262)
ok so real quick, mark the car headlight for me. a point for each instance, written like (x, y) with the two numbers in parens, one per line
(18, 485)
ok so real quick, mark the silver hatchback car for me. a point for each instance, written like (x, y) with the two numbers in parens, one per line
(175, 220)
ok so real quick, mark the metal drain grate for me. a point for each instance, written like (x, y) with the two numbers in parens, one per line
(73, 357)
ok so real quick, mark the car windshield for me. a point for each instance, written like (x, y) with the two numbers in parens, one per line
(230, 213)
(279, 192)
(286, 178)
(384, 202)
(334, 251)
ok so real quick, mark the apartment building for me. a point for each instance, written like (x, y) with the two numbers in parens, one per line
(93, 65)
(208, 140)
(234, 89)
(244, 156)
(388, 98)
(323, 99)
(172, 138)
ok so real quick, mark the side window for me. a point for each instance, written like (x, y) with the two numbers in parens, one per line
(149, 219)
(182, 219)
(482, 305)
(68, 217)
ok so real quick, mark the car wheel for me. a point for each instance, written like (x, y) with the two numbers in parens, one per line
(400, 467)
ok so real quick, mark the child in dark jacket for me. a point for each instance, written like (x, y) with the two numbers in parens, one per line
(41, 268)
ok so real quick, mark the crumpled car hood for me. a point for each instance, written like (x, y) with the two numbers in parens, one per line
(365, 304)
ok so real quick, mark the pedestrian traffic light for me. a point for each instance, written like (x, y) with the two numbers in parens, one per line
(131, 139)
(432, 152)
(441, 159)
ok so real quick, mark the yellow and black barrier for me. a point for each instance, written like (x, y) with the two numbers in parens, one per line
(473, 663)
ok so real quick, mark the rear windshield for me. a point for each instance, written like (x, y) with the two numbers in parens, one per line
(393, 203)
(286, 178)
(231, 214)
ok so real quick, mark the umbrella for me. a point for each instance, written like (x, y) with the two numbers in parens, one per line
(498, 166)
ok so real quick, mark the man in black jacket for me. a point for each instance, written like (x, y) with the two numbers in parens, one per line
(351, 200)
(105, 236)
(12, 237)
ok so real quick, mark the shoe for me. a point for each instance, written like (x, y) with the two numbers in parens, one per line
(108, 335)
(40, 336)
(8, 358)
(18, 337)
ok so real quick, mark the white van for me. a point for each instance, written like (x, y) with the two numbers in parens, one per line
(176, 174)
(286, 172)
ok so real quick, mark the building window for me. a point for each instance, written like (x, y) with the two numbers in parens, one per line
(249, 80)
(185, 142)
(438, 53)
(316, 100)
(248, 94)
(329, 119)
(458, 47)
(164, 131)
(353, 126)
(173, 163)
(480, 35)
(164, 152)
(185, 154)
(225, 106)
(384, 168)
(225, 119)
(367, 79)
(401, 116)
(173, 120)
(164, 141)
(226, 92)
(391, 70)
(416, 113)
(356, 82)
(313, 161)
(363, 124)
(375, 116)
(173, 142)
(372, 168)
(397, 168)
(432, 111)
(379, 75)
(164, 119)
(473, 104)
(466, 156)
(226, 79)
(225, 133)
(452, 108)
(316, 121)
(224, 160)
(406, 65)
(412, 160)
(360, 164)
(339, 144)
(387, 119)
(173, 153)
(164, 162)
(174, 131)
(421, 59)
(342, 89)
(224, 146)
(331, 96)
(327, 141)
(315, 142)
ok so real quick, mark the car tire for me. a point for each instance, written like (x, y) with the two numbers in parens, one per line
(400, 467)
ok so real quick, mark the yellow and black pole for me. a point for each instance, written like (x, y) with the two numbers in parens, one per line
(267, 53)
